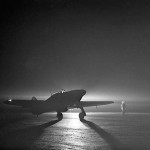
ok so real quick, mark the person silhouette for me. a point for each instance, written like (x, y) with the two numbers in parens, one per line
(123, 107)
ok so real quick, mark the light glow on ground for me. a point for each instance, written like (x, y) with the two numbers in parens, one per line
(73, 121)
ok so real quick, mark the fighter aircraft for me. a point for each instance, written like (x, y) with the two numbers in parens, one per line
(58, 102)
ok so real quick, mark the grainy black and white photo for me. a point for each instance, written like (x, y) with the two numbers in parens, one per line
(75, 74)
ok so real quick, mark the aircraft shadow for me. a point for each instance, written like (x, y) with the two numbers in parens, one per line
(113, 142)
(24, 138)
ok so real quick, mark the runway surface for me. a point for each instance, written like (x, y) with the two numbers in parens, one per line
(102, 131)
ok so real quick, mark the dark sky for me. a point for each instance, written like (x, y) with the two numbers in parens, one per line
(102, 46)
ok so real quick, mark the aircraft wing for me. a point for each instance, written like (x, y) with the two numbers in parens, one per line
(95, 103)
(22, 103)
(90, 104)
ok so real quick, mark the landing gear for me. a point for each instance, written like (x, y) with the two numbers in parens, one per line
(59, 116)
(82, 113)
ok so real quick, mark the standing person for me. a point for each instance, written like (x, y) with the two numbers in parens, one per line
(123, 107)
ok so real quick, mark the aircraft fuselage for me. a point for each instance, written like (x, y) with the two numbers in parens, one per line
(59, 102)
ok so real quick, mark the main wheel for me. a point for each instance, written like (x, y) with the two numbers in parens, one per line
(59, 115)
(81, 116)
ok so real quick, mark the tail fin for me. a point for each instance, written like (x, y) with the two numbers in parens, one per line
(34, 98)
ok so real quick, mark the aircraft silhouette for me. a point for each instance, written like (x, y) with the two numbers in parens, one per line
(58, 102)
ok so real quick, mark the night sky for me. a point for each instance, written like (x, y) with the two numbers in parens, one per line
(102, 46)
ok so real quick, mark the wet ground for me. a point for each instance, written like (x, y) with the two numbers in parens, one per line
(102, 131)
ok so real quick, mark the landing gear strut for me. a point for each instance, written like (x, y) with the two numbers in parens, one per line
(82, 113)
(59, 115)
(81, 116)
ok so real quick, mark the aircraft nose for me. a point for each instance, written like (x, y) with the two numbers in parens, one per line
(84, 92)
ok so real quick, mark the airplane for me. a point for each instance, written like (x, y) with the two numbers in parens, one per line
(58, 102)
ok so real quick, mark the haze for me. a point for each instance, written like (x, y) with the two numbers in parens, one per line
(100, 46)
